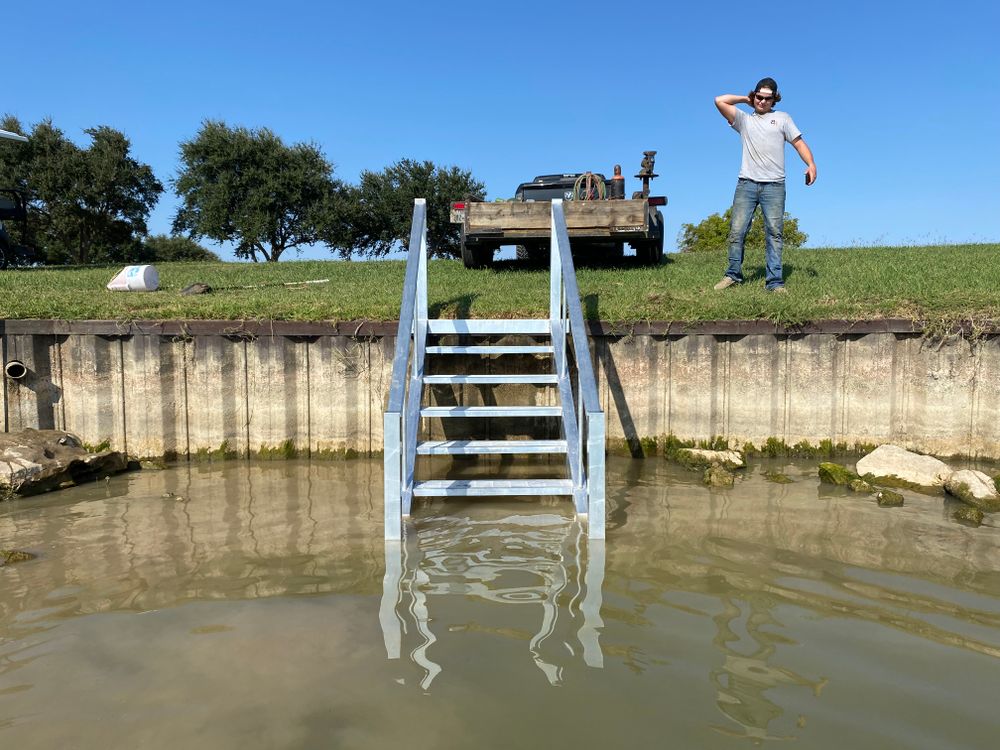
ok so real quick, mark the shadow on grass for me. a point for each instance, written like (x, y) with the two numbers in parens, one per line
(461, 306)
(758, 274)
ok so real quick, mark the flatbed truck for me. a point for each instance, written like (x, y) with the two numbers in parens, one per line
(598, 221)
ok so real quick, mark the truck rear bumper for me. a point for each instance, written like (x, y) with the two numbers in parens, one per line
(601, 221)
(520, 236)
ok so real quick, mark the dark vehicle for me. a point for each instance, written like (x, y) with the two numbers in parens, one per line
(599, 220)
(13, 207)
(549, 186)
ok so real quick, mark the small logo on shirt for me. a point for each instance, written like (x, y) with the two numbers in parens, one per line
(774, 122)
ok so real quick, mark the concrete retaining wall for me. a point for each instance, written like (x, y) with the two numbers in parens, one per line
(180, 388)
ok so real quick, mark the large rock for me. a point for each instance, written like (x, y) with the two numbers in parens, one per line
(968, 515)
(33, 461)
(860, 485)
(888, 499)
(888, 461)
(975, 489)
(719, 476)
(699, 458)
(777, 477)
(831, 473)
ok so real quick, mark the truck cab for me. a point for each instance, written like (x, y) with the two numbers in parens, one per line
(13, 207)
(548, 186)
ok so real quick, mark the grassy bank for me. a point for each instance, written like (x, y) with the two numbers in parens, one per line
(933, 284)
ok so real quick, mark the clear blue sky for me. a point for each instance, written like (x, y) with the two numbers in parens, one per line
(900, 102)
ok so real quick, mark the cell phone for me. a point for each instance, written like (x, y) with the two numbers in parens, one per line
(807, 178)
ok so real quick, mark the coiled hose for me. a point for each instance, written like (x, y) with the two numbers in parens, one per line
(589, 187)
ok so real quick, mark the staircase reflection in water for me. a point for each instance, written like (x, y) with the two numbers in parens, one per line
(542, 562)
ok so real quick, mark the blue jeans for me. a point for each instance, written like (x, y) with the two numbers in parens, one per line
(770, 196)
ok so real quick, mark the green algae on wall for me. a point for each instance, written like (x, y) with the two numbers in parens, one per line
(104, 445)
(342, 454)
(283, 451)
(223, 452)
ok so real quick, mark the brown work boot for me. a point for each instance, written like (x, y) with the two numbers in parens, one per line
(727, 281)
(778, 290)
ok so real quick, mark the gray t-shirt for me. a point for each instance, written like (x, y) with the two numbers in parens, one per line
(764, 139)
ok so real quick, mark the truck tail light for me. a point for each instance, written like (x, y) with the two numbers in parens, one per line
(658, 201)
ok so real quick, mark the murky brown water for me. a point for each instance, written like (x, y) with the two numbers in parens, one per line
(255, 606)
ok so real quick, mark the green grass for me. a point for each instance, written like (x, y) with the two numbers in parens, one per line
(929, 284)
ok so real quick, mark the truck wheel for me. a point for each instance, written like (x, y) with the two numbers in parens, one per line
(650, 253)
(533, 254)
(5, 250)
(480, 257)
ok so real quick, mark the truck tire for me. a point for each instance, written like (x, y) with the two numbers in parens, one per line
(650, 252)
(479, 257)
(6, 249)
(534, 254)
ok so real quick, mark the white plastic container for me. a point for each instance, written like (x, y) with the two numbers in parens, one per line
(135, 279)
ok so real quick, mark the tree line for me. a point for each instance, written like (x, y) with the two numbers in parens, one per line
(234, 185)
(246, 187)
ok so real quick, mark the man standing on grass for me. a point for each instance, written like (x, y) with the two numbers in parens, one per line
(762, 176)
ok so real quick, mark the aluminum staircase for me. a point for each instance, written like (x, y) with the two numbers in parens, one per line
(579, 415)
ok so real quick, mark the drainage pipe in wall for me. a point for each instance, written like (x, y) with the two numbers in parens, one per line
(15, 369)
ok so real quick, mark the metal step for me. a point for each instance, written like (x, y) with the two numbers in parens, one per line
(491, 487)
(488, 447)
(491, 411)
(541, 379)
(527, 326)
(491, 349)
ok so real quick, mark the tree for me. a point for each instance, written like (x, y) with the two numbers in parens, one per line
(384, 206)
(161, 248)
(711, 235)
(247, 187)
(85, 204)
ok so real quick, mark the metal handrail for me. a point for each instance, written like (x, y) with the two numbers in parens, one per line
(588, 382)
(410, 338)
(566, 318)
